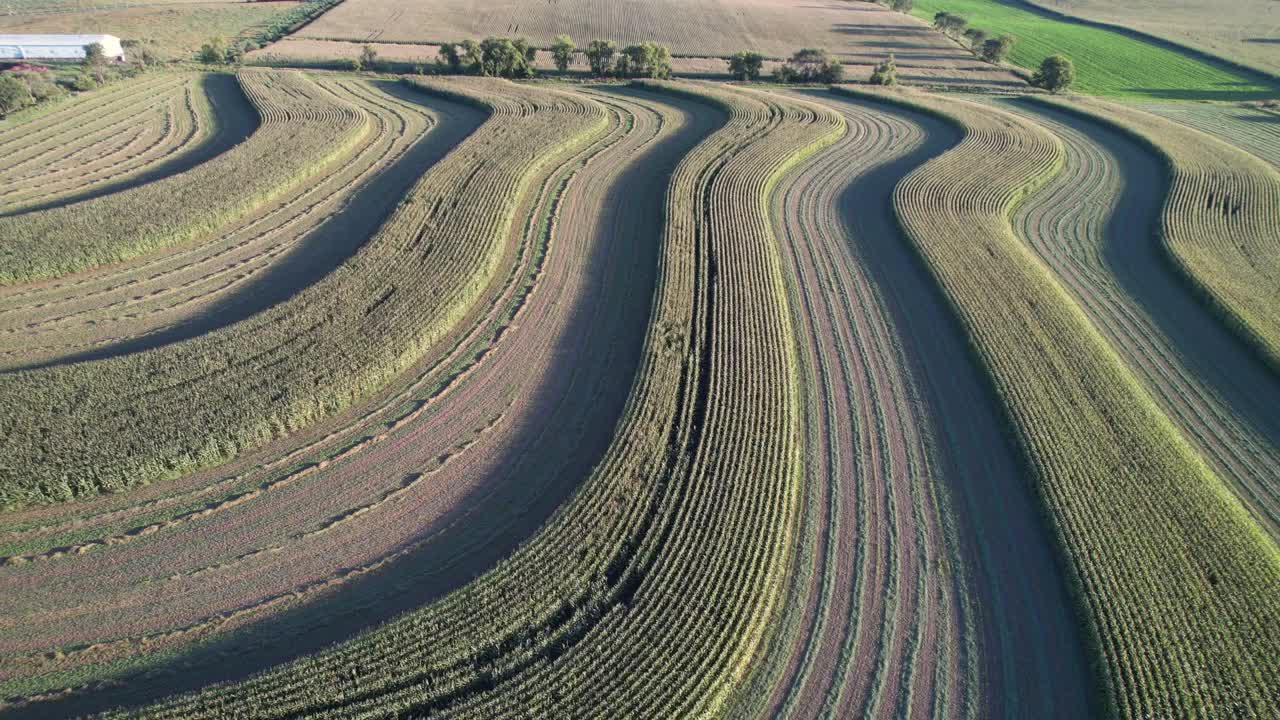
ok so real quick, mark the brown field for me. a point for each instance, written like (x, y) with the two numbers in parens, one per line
(1247, 31)
(408, 56)
(859, 33)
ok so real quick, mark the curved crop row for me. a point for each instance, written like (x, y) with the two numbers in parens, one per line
(157, 130)
(303, 129)
(1251, 129)
(503, 431)
(1220, 225)
(651, 592)
(251, 264)
(1093, 227)
(108, 143)
(65, 119)
(932, 590)
(1175, 579)
(77, 430)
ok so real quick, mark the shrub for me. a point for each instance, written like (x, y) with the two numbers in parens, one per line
(902, 6)
(503, 57)
(886, 73)
(83, 82)
(646, 60)
(352, 64)
(810, 65)
(14, 94)
(746, 65)
(563, 51)
(213, 52)
(976, 38)
(1056, 74)
(600, 56)
(950, 23)
(995, 50)
(368, 58)
(94, 55)
(143, 54)
(450, 57)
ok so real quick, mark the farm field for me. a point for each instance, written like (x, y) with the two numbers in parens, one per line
(294, 51)
(1247, 31)
(145, 130)
(1248, 128)
(176, 30)
(1108, 62)
(336, 389)
(248, 265)
(861, 34)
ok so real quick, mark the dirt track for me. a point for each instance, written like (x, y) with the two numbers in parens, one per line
(445, 491)
(904, 432)
(1097, 226)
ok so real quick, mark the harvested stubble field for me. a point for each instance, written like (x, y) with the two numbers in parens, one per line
(860, 33)
(249, 265)
(138, 131)
(671, 399)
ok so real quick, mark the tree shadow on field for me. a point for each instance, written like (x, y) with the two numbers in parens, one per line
(574, 410)
(235, 119)
(323, 249)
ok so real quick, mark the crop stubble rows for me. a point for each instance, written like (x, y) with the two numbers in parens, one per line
(254, 263)
(1173, 574)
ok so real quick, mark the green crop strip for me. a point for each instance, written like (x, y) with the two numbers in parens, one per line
(1107, 62)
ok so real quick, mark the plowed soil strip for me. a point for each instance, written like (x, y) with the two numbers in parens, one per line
(1097, 226)
(935, 592)
(459, 485)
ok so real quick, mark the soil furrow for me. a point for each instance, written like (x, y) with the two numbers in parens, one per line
(990, 585)
(564, 368)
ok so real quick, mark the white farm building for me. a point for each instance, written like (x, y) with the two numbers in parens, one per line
(56, 47)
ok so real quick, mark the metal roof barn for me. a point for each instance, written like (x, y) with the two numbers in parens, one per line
(56, 47)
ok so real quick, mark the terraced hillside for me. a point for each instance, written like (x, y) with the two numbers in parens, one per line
(1249, 128)
(1125, 474)
(1219, 222)
(669, 399)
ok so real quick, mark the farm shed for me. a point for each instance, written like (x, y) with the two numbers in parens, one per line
(56, 47)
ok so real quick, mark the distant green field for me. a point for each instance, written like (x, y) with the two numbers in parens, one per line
(1108, 63)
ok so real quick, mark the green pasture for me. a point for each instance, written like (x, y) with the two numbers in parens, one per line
(1107, 62)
